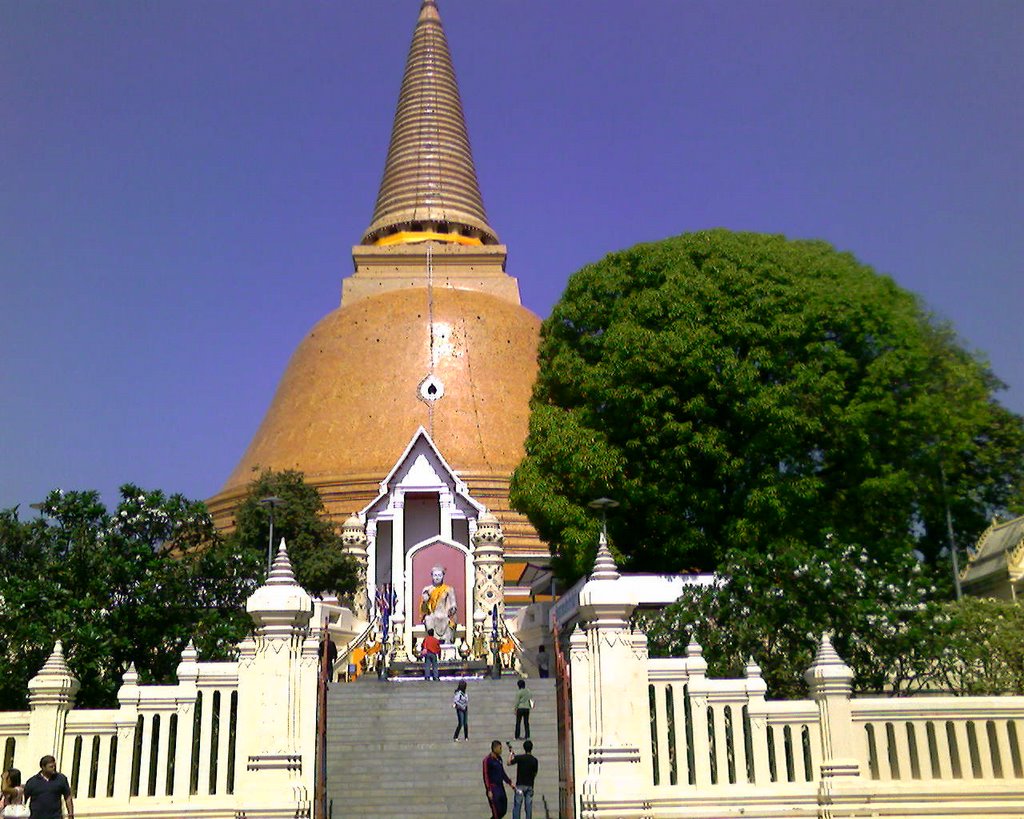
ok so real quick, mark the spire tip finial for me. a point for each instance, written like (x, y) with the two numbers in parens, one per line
(428, 10)
(281, 573)
(604, 564)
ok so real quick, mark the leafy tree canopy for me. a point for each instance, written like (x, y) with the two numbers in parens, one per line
(314, 545)
(886, 621)
(774, 608)
(107, 585)
(736, 390)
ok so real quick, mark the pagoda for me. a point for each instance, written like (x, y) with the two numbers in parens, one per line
(407, 406)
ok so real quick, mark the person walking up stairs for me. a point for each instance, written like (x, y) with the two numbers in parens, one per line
(390, 751)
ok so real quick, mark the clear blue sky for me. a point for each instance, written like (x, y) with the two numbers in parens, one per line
(181, 182)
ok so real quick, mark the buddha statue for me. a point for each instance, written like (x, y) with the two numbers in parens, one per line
(439, 606)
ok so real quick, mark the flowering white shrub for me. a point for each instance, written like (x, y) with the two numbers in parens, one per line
(774, 607)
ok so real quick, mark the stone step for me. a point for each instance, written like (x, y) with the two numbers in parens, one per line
(389, 745)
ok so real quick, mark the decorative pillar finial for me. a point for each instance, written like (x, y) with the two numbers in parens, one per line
(828, 674)
(604, 564)
(281, 573)
(55, 664)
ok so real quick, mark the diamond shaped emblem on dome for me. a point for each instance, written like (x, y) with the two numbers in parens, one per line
(431, 388)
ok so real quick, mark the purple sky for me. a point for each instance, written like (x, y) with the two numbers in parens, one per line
(181, 182)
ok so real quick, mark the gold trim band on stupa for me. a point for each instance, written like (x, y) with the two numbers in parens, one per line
(430, 184)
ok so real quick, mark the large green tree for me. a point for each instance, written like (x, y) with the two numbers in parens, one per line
(129, 586)
(736, 390)
(314, 545)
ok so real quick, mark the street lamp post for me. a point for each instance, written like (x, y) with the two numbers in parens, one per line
(604, 504)
(272, 502)
(950, 535)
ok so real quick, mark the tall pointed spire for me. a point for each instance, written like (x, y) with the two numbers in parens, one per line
(430, 188)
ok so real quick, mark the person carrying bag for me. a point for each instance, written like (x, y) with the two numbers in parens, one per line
(12, 795)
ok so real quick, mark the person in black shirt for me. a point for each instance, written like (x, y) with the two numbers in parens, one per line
(44, 791)
(526, 773)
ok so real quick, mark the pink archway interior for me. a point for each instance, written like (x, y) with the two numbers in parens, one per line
(453, 561)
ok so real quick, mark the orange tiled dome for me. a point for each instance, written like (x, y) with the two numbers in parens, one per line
(350, 399)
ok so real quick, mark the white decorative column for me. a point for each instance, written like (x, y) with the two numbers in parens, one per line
(489, 566)
(51, 694)
(830, 681)
(447, 504)
(185, 704)
(407, 601)
(277, 688)
(758, 714)
(698, 689)
(126, 724)
(353, 539)
(619, 752)
(580, 672)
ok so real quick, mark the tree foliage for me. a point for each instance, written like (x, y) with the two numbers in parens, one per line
(314, 545)
(977, 647)
(136, 584)
(743, 391)
(885, 620)
(107, 585)
(775, 607)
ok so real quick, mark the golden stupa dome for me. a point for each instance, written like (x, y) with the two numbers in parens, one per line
(370, 374)
(353, 394)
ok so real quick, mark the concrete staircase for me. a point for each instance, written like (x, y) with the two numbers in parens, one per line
(390, 751)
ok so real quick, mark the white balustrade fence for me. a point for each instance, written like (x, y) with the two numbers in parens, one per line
(164, 741)
(229, 740)
(940, 738)
(723, 732)
(658, 738)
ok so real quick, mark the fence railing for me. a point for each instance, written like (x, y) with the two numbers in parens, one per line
(229, 739)
(657, 737)
(182, 742)
(948, 738)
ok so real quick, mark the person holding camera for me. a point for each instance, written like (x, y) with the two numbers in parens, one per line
(526, 773)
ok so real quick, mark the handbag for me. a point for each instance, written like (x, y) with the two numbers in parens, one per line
(15, 810)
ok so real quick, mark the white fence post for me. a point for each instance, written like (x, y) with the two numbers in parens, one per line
(51, 694)
(126, 722)
(619, 753)
(579, 676)
(277, 698)
(758, 715)
(188, 675)
(830, 681)
(697, 690)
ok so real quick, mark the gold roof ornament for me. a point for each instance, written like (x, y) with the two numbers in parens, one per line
(430, 189)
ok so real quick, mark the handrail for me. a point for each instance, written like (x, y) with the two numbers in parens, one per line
(320, 777)
(563, 698)
(518, 650)
(359, 640)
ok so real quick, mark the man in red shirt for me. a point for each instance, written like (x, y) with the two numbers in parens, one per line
(431, 653)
